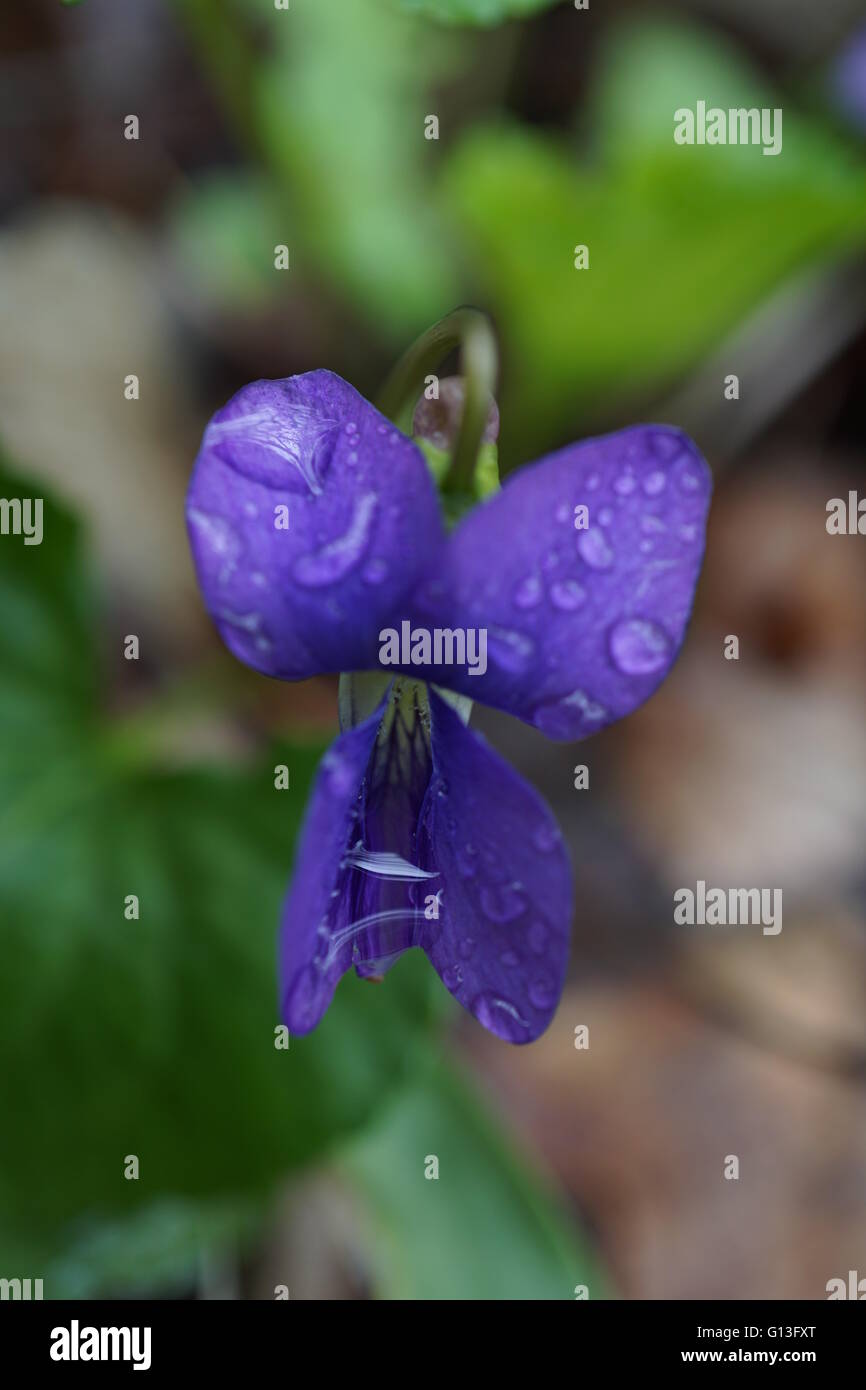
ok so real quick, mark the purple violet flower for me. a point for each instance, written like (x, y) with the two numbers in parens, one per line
(316, 531)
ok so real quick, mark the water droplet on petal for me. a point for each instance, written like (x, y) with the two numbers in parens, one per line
(567, 594)
(592, 482)
(688, 532)
(466, 866)
(465, 948)
(374, 572)
(639, 647)
(568, 717)
(542, 992)
(624, 485)
(605, 516)
(501, 1016)
(336, 559)
(510, 650)
(503, 904)
(594, 549)
(452, 976)
(654, 483)
(563, 512)
(528, 592)
(546, 837)
(665, 444)
(219, 539)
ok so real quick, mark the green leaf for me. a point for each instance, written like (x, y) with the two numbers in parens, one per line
(683, 242)
(486, 1228)
(224, 228)
(486, 12)
(152, 1037)
(346, 133)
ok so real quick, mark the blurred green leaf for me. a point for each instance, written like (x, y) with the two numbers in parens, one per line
(476, 11)
(341, 100)
(224, 229)
(331, 101)
(683, 242)
(152, 1037)
(485, 1228)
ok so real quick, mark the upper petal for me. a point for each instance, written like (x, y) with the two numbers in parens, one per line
(500, 943)
(582, 623)
(310, 519)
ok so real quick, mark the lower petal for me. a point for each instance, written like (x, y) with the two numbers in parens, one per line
(505, 884)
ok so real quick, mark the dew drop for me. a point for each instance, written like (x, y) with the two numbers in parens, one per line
(665, 444)
(466, 866)
(510, 650)
(605, 516)
(219, 538)
(594, 549)
(336, 559)
(374, 572)
(465, 948)
(654, 483)
(503, 904)
(501, 1016)
(567, 594)
(452, 976)
(528, 592)
(624, 485)
(546, 837)
(567, 717)
(542, 992)
(639, 647)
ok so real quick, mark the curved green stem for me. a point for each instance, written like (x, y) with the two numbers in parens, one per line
(472, 332)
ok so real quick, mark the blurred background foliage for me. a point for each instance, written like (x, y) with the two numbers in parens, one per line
(156, 1037)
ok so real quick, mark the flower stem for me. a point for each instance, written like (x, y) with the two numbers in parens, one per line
(472, 332)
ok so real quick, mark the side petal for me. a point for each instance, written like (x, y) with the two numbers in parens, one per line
(500, 944)
(310, 964)
(310, 519)
(584, 611)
